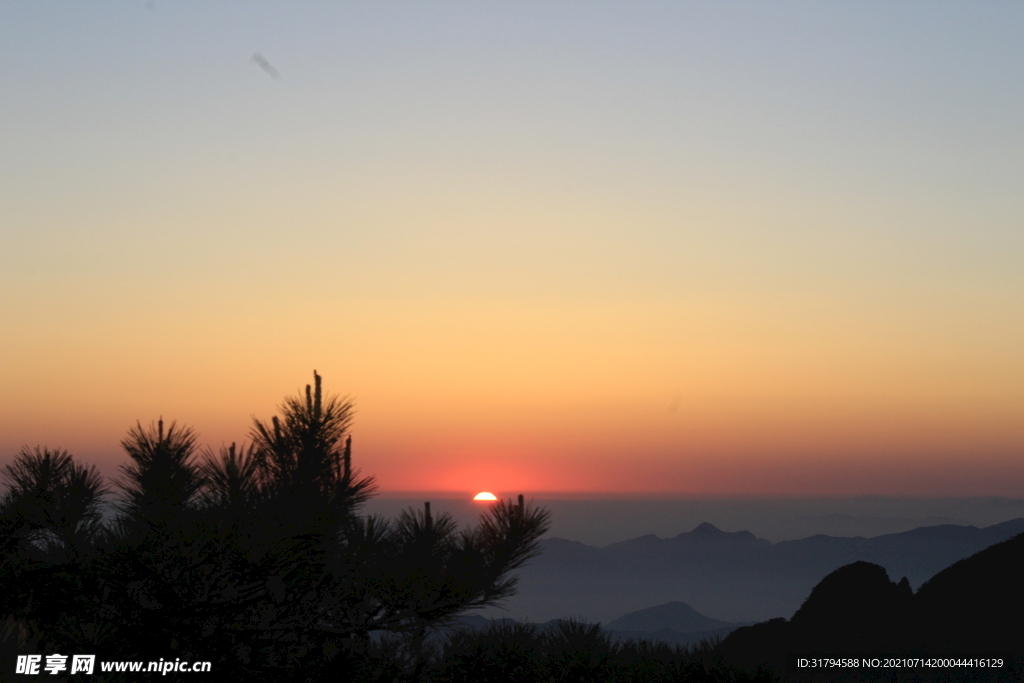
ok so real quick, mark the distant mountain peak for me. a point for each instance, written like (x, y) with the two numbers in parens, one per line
(709, 532)
(674, 615)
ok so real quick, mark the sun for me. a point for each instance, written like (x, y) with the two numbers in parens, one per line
(485, 497)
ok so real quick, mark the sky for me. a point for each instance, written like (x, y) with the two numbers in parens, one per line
(668, 249)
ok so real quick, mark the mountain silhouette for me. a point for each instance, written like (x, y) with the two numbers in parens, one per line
(977, 604)
(973, 607)
(674, 615)
(734, 576)
(855, 609)
(674, 623)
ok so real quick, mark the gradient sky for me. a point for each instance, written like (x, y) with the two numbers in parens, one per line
(662, 248)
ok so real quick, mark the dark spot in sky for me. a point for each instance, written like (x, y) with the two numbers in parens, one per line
(265, 65)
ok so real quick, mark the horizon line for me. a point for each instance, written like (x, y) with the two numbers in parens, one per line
(665, 495)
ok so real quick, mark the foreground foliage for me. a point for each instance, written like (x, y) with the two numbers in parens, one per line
(253, 558)
(257, 560)
(572, 651)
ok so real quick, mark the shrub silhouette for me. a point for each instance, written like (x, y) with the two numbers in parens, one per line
(505, 651)
(571, 651)
(578, 651)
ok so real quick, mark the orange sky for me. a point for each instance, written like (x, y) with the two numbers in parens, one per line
(686, 250)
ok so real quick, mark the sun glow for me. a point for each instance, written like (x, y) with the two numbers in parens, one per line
(485, 497)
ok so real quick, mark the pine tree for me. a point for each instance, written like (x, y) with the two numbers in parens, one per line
(257, 558)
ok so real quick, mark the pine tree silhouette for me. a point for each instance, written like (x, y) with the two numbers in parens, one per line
(255, 558)
(52, 503)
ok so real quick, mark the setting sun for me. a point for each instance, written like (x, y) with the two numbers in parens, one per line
(485, 497)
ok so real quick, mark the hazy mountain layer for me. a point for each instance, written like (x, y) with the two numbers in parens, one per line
(675, 623)
(733, 576)
(674, 615)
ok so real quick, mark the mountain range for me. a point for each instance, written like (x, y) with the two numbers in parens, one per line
(733, 575)
(675, 623)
